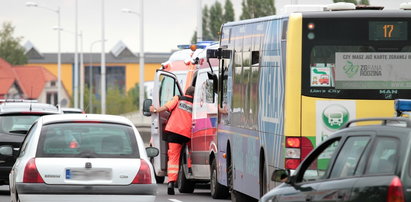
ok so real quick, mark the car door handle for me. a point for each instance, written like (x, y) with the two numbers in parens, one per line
(308, 198)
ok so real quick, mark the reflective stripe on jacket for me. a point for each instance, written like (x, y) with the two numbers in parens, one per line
(180, 120)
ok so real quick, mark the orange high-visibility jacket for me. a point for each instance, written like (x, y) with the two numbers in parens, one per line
(180, 121)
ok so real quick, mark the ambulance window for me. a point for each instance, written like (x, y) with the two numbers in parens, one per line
(168, 89)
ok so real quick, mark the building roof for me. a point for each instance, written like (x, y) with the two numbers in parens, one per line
(33, 79)
(120, 53)
(5, 85)
(31, 51)
(30, 79)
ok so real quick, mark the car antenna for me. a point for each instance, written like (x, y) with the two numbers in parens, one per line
(31, 94)
(85, 109)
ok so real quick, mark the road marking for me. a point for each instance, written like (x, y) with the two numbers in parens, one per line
(174, 200)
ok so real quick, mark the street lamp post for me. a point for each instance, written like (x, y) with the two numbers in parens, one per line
(103, 63)
(57, 11)
(199, 22)
(80, 35)
(76, 69)
(90, 103)
(140, 14)
(81, 71)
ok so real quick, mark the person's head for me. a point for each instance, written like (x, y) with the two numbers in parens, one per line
(190, 91)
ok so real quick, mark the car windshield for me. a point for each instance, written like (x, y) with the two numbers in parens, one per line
(17, 122)
(87, 140)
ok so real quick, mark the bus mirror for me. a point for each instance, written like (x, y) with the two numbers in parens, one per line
(146, 107)
(213, 53)
(218, 53)
(214, 79)
(226, 54)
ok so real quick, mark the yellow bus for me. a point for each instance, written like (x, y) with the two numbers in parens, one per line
(287, 82)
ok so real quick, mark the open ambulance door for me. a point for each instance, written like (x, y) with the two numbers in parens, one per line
(166, 86)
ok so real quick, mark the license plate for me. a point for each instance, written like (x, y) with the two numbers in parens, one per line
(88, 174)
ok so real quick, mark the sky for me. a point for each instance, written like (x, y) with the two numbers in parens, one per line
(167, 23)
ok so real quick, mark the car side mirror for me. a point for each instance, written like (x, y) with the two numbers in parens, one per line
(6, 150)
(152, 152)
(146, 107)
(280, 175)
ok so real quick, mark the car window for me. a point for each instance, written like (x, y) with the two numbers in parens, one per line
(349, 156)
(88, 140)
(319, 165)
(384, 157)
(17, 122)
(27, 139)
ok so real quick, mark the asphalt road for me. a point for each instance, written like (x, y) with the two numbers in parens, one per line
(201, 194)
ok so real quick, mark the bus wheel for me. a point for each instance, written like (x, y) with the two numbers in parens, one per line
(218, 191)
(263, 180)
(184, 185)
(235, 195)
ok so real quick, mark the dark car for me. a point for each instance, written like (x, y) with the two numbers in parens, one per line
(16, 118)
(358, 163)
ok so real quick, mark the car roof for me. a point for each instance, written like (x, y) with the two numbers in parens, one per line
(398, 124)
(85, 117)
(13, 107)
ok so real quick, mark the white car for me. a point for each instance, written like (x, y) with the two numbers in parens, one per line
(83, 157)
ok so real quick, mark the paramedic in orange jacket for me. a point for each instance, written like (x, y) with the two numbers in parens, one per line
(177, 131)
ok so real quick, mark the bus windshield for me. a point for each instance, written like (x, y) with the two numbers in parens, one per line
(366, 65)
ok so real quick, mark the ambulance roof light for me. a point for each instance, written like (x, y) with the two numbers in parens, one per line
(405, 6)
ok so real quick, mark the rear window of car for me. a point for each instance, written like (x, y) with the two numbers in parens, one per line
(87, 140)
(17, 122)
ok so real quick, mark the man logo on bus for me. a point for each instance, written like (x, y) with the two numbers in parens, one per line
(350, 69)
(335, 116)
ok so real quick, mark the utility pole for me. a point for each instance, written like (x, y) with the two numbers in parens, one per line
(103, 63)
(199, 21)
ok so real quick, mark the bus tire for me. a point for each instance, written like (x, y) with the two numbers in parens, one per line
(218, 191)
(263, 179)
(184, 185)
(235, 195)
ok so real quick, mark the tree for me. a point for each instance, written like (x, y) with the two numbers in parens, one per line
(10, 48)
(213, 18)
(118, 102)
(134, 93)
(364, 2)
(257, 8)
(216, 20)
(205, 22)
(228, 12)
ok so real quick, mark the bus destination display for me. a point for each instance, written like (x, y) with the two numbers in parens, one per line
(388, 30)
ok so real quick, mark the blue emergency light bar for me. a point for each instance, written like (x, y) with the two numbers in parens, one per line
(183, 46)
(200, 45)
(402, 105)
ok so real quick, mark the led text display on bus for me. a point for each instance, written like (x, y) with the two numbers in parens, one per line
(356, 58)
(388, 30)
